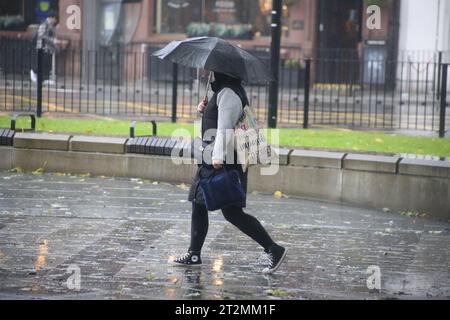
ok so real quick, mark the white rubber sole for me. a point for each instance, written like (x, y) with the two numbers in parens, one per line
(270, 271)
(176, 264)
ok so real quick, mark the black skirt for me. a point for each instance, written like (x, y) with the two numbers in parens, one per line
(206, 171)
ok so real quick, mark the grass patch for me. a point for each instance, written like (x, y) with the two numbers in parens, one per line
(104, 126)
(329, 139)
(358, 141)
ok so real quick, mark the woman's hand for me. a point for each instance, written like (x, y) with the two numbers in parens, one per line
(217, 164)
(202, 105)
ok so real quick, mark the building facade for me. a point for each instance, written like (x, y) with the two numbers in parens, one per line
(417, 39)
(328, 29)
(307, 24)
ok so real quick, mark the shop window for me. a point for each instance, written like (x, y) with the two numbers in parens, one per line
(17, 15)
(224, 18)
(177, 14)
(118, 20)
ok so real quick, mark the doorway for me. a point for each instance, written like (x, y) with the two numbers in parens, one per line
(338, 38)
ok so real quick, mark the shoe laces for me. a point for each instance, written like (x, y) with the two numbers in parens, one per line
(183, 256)
(266, 258)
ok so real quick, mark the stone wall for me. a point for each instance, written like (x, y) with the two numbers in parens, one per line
(400, 184)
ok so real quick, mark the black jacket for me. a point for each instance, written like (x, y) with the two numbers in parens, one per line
(209, 121)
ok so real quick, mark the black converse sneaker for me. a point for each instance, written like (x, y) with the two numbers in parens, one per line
(276, 255)
(190, 258)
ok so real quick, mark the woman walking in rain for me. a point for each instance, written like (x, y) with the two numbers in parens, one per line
(221, 113)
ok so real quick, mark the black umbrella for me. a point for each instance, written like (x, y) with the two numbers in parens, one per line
(215, 54)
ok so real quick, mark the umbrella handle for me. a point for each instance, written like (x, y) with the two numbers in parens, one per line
(208, 85)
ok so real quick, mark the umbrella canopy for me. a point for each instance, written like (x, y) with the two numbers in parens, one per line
(215, 54)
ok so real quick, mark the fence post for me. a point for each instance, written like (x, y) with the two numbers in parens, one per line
(438, 89)
(174, 91)
(443, 100)
(306, 97)
(39, 83)
(275, 44)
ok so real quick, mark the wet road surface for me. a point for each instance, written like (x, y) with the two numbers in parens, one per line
(80, 237)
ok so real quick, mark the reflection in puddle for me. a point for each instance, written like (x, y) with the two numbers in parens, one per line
(218, 265)
(192, 282)
(42, 253)
(218, 282)
(173, 280)
(184, 283)
(217, 271)
(192, 276)
(35, 287)
(170, 293)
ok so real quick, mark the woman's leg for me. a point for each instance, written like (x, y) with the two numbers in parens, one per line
(248, 225)
(199, 226)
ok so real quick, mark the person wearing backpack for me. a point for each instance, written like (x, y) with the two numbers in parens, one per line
(219, 114)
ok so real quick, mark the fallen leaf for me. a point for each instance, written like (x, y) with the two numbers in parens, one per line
(277, 292)
(38, 172)
(59, 174)
(17, 170)
(183, 186)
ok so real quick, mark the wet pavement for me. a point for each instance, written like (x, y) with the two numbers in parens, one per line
(79, 237)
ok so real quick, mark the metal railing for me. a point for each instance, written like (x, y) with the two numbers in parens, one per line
(326, 90)
(375, 94)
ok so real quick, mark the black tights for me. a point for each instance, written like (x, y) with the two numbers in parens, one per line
(244, 222)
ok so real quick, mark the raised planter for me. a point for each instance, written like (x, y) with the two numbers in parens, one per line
(421, 186)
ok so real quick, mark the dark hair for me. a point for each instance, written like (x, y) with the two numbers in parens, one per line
(224, 78)
(53, 14)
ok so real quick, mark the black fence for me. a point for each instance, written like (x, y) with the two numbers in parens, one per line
(341, 89)
(375, 94)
